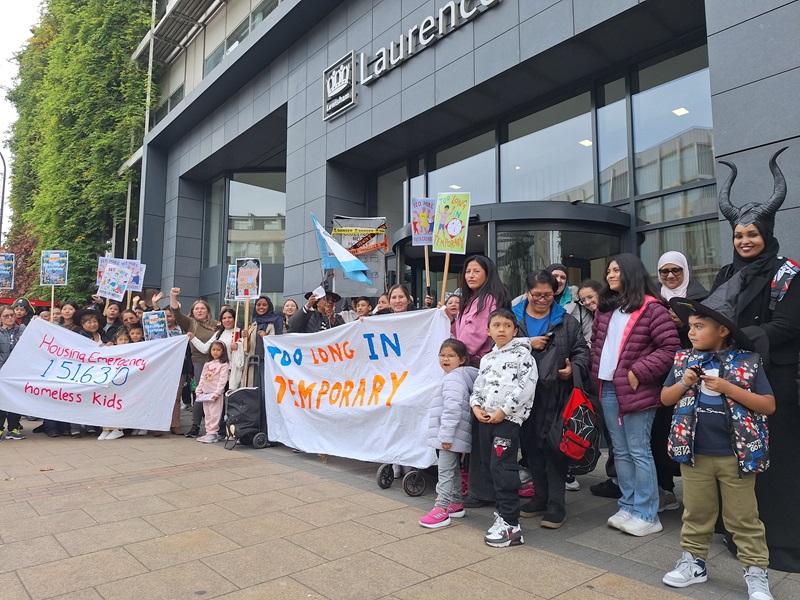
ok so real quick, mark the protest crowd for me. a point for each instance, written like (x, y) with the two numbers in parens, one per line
(724, 358)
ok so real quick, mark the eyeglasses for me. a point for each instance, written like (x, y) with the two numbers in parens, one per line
(541, 296)
(588, 298)
(667, 272)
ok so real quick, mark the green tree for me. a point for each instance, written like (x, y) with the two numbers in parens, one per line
(80, 98)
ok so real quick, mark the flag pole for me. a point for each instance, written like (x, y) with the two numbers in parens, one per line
(427, 272)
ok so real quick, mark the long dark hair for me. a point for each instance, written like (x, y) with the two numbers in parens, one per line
(492, 287)
(223, 358)
(636, 284)
(73, 305)
(221, 327)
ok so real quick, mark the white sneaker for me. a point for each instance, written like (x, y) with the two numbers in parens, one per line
(115, 434)
(667, 500)
(141, 432)
(618, 518)
(757, 584)
(502, 535)
(104, 434)
(572, 486)
(208, 439)
(688, 571)
(639, 527)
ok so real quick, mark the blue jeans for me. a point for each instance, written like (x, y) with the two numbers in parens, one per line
(633, 459)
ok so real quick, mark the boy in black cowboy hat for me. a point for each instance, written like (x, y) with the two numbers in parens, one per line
(719, 436)
(313, 316)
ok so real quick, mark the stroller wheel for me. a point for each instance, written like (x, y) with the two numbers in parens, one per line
(414, 483)
(260, 440)
(385, 476)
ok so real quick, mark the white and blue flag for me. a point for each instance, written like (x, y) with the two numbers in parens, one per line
(335, 256)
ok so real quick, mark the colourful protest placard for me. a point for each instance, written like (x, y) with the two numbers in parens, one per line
(450, 226)
(63, 376)
(360, 390)
(137, 276)
(154, 323)
(230, 284)
(6, 271)
(54, 268)
(114, 282)
(102, 263)
(423, 213)
(248, 278)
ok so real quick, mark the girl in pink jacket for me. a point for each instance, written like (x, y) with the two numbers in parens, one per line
(212, 386)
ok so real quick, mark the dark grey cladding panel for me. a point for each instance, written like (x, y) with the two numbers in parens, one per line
(385, 14)
(588, 13)
(530, 8)
(721, 14)
(757, 114)
(754, 182)
(547, 29)
(738, 59)
(497, 55)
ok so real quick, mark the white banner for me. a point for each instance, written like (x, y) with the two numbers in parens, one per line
(360, 390)
(56, 374)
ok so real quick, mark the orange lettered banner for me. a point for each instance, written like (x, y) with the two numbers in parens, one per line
(360, 390)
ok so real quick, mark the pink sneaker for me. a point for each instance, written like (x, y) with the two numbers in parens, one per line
(456, 510)
(527, 490)
(438, 517)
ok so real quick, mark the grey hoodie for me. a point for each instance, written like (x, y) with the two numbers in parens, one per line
(507, 380)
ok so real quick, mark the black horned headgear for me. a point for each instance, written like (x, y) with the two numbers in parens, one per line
(762, 214)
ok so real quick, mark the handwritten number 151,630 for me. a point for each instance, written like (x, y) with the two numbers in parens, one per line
(81, 373)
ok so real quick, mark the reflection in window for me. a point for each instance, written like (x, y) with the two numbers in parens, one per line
(466, 167)
(522, 252)
(212, 223)
(549, 155)
(672, 125)
(683, 205)
(699, 242)
(237, 37)
(214, 58)
(612, 137)
(262, 10)
(257, 217)
(391, 200)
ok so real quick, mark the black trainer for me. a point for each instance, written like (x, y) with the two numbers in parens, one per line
(607, 489)
(534, 508)
(193, 432)
(554, 517)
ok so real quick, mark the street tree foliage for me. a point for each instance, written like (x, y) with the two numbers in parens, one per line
(81, 103)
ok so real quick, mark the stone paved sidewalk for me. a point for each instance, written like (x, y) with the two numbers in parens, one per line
(145, 517)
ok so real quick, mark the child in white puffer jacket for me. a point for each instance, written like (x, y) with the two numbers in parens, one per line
(450, 431)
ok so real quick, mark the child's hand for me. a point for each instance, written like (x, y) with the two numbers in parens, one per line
(481, 414)
(715, 384)
(690, 378)
(497, 417)
(190, 335)
(446, 446)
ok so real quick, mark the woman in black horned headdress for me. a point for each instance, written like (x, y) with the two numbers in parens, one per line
(760, 285)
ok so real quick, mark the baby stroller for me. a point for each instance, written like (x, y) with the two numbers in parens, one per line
(245, 412)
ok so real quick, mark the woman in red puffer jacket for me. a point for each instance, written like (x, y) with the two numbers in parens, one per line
(633, 343)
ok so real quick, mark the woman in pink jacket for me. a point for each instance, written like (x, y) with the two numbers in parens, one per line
(482, 293)
(633, 343)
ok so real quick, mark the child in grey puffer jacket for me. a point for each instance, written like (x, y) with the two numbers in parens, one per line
(450, 431)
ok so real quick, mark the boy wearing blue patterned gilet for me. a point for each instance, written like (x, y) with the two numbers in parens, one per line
(719, 436)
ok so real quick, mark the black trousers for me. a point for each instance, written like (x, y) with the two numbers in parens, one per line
(549, 473)
(499, 468)
(11, 418)
(478, 488)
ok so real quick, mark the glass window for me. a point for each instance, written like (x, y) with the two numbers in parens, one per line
(612, 138)
(522, 252)
(391, 200)
(467, 167)
(261, 11)
(672, 126)
(548, 155)
(238, 35)
(212, 225)
(257, 217)
(176, 97)
(214, 58)
(683, 205)
(699, 242)
(162, 112)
